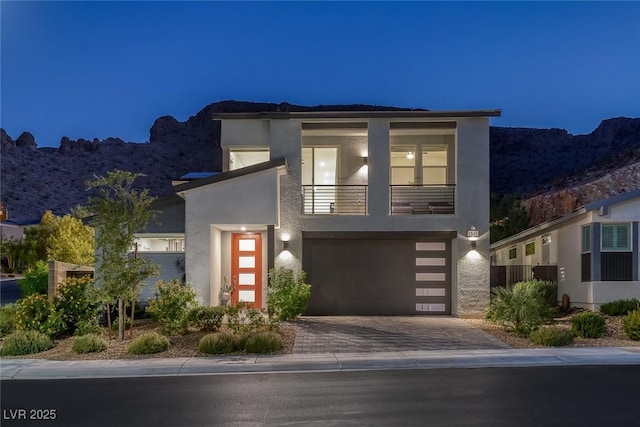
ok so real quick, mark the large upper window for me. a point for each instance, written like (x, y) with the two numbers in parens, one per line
(419, 164)
(616, 259)
(319, 178)
(243, 158)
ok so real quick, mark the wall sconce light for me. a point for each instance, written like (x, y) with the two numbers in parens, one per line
(410, 155)
(285, 237)
(365, 160)
(473, 235)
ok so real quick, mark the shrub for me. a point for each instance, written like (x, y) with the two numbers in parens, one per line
(631, 325)
(288, 294)
(25, 342)
(217, 343)
(7, 319)
(620, 307)
(85, 327)
(149, 343)
(90, 343)
(263, 342)
(171, 306)
(206, 318)
(521, 308)
(77, 300)
(549, 291)
(37, 313)
(551, 336)
(116, 322)
(588, 325)
(35, 280)
(244, 319)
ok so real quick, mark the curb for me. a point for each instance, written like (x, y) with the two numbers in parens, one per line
(34, 369)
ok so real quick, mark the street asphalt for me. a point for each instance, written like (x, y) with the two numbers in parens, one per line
(22, 369)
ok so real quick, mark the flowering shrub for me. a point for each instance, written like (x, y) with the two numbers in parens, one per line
(37, 313)
(77, 300)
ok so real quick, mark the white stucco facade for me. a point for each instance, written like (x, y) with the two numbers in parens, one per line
(269, 200)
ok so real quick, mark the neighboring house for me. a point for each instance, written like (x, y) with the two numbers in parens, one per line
(377, 207)
(595, 251)
(15, 229)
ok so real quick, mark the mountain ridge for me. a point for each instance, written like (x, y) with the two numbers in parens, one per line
(528, 161)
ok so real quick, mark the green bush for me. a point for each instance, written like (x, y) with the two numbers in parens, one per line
(620, 307)
(588, 325)
(25, 342)
(171, 306)
(206, 318)
(116, 322)
(244, 319)
(631, 325)
(549, 291)
(35, 280)
(7, 319)
(85, 327)
(288, 294)
(89, 343)
(551, 336)
(37, 313)
(217, 343)
(77, 300)
(263, 342)
(521, 308)
(149, 343)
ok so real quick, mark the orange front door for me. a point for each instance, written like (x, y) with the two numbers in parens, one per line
(246, 268)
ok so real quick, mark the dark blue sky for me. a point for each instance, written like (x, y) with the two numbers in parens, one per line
(94, 69)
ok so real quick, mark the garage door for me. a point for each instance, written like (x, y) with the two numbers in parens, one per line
(377, 274)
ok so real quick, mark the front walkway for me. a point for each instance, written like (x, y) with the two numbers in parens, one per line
(358, 334)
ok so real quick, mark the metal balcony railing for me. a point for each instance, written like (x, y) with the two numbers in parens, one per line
(422, 199)
(334, 199)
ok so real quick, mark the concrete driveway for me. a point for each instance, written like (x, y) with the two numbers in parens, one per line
(360, 334)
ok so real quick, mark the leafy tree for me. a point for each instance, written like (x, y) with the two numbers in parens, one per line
(71, 241)
(35, 280)
(119, 211)
(56, 238)
(508, 217)
(11, 251)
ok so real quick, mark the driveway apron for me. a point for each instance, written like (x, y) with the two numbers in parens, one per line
(360, 334)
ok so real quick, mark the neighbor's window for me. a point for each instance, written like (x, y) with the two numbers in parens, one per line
(616, 237)
(513, 253)
(530, 248)
(586, 238)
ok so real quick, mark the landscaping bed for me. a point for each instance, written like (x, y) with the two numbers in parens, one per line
(180, 345)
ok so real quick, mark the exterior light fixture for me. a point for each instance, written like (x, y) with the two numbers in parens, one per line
(285, 237)
(243, 228)
(472, 235)
(410, 155)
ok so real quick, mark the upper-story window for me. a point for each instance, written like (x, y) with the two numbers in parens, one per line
(422, 163)
(165, 243)
(243, 158)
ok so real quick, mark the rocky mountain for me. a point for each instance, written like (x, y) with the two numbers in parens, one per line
(535, 162)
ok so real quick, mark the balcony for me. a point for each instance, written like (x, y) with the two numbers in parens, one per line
(422, 199)
(334, 199)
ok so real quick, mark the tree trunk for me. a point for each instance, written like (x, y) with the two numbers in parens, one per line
(109, 320)
(121, 319)
(133, 307)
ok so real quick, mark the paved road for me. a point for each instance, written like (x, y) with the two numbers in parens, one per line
(9, 291)
(534, 396)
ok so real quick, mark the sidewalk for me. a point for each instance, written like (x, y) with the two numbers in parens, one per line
(22, 369)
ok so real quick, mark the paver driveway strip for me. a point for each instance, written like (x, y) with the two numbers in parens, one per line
(363, 334)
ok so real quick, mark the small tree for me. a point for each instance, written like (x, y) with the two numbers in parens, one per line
(119, 211)
(71, 241)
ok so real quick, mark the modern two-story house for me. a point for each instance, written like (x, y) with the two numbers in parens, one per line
(386, 211)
